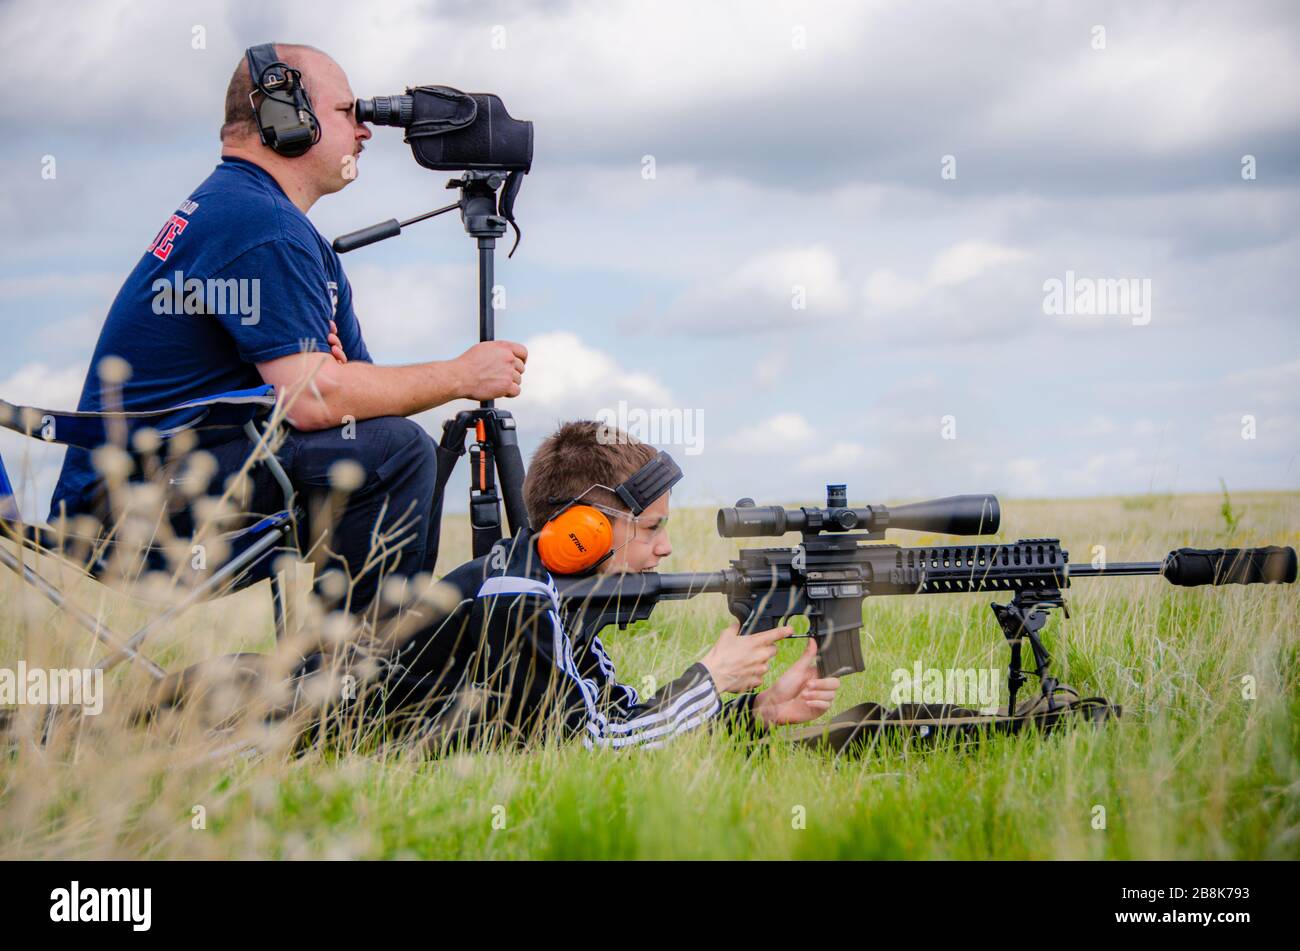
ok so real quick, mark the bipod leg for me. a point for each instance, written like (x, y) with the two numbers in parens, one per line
(1009, 620)
(1042, 660)
(1020, 620)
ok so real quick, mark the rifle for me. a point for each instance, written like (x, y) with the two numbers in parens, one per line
(828, 575)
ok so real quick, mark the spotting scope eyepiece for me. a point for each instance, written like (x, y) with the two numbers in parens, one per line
(386, 110)
(955, 515)
(450, 130)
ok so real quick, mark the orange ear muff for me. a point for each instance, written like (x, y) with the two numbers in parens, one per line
(575, 539)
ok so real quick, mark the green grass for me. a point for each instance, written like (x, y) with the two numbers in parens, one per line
(1193, 770)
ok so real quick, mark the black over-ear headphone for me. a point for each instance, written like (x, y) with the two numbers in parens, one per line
(285, 118)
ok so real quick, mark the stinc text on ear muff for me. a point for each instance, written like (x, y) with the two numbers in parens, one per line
(285, 119)
(575, 539)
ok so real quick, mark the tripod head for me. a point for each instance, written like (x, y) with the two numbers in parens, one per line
(478, 206)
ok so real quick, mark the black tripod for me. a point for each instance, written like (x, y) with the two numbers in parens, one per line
(495, 450)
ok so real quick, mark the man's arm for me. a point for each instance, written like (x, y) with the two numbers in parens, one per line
(321, 391)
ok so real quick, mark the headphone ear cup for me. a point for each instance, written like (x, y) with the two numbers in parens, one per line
(285, 120)
(574, 540)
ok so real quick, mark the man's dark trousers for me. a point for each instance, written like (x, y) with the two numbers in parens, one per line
(389, 524)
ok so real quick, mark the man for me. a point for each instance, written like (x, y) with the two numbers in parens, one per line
(503, 662)
(245, 232)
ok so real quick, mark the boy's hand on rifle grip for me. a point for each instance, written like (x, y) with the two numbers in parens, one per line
(738, 663)
(799, 695)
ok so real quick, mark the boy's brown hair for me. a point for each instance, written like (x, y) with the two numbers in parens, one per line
(577, 456)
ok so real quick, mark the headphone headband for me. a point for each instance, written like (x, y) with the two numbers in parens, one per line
(261, 60)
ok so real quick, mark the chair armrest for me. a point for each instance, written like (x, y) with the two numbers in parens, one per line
(91, 430)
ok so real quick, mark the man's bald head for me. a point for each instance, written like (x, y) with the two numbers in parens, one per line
(240, 123)
(330, 164)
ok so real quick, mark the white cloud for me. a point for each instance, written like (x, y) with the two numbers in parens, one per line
(840, 456)
(886, 291)
(778, 433)
(1272, 384)
(33, 465)
(1098, 426)
(779, 288)
(770, 369)
(102, 284)
(1173, 83)
(1147, 427)
(969, 259)
(1026, 475)
(408, 313)
(777, 273)
(38, 384)
(1111, 467)
(1229, 435)
(567, 377)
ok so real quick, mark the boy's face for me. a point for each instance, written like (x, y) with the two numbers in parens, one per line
(639, 545)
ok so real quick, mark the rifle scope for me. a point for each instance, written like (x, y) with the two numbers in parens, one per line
(954, 515)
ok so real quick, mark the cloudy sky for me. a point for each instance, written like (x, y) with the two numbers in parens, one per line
(821, 233)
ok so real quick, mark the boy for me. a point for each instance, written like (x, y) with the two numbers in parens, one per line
(502, 663)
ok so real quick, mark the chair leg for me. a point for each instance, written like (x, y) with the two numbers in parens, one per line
(90, 623)
(279, 607)
(248, 557)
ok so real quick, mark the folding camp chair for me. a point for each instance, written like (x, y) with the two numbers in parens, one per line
(210, 421)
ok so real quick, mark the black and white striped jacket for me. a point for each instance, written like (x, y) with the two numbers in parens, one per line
(504, 659)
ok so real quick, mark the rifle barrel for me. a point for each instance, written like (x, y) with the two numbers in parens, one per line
(1116, 568)
(670, 587)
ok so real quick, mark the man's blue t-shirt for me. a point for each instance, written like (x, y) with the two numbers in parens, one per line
(237, 276)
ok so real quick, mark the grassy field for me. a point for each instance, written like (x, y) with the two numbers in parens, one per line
(1204, 764)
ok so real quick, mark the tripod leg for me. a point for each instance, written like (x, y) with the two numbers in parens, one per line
(510, 467)
(484, 503)
(495, 452)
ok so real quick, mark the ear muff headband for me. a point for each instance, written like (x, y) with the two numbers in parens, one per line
(649, 482)
(580, 536)
(285, 119)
